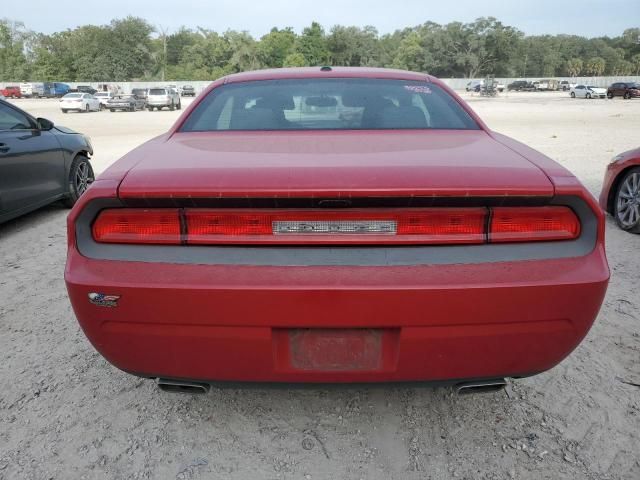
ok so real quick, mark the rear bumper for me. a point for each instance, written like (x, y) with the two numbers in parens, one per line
(435, 322)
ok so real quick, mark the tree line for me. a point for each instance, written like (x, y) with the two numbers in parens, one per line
(130, 49)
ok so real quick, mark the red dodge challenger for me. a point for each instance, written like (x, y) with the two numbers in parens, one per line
(335, 225)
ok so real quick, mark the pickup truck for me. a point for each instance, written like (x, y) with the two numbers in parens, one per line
(11, 91)
(33, 89)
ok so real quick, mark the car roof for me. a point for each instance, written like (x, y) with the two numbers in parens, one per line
(320, 72)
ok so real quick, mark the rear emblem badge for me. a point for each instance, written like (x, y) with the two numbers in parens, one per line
(103, 300)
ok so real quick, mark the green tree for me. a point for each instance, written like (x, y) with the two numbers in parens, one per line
(353, 46)
(410, 53)
(574, 67)
(635, 62)
(294, 60)
(276, 46)
(244, 50)
(623, 67)
(312, 44)
(13, 62)
(595, 66)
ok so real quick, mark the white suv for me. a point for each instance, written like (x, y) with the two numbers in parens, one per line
(163, 97)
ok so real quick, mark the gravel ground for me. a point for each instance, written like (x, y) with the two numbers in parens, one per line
(66, 413)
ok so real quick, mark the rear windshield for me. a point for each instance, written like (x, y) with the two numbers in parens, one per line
(73, 95)
(157, 91)
(328, 104)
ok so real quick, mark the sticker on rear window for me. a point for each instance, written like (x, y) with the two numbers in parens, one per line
(418, 88)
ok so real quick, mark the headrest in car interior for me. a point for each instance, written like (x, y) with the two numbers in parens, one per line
(279, 102)
(353, 97)
(254, 119)
(403, 117)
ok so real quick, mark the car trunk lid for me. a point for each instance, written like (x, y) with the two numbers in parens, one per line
(449, 163)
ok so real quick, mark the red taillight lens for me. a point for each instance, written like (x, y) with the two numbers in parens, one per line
(527, 224)
(128, 225)
(416, 226)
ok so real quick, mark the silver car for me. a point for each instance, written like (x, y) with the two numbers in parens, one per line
(163, 97)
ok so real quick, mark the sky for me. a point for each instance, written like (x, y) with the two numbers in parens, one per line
(589, 18)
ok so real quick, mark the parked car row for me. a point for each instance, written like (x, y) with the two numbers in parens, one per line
(546, 84)
(139, 99)
(626, 90)
(479, 85)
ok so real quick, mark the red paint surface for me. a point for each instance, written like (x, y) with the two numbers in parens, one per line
(440, 322)
(613, 173)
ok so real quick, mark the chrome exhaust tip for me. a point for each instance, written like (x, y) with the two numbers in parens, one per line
(179, 386)
(480, 386)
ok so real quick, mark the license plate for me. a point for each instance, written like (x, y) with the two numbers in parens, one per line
(335, 349)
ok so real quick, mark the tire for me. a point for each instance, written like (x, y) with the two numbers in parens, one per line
(132, 108)
(64, 110)
(626, 203)
(112, 110)
(627, 96)
(610, 95)
(588, 95)
(573, 94)
(101, 107)
(81, 176)
(179, 105)
(87, 109)
(150, 109)
(172, 107)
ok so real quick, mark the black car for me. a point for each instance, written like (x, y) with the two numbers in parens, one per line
(625, 90)
(520, 85)
(188, 91)
(128, 102)
(85, 89)
(40, 163)
(141, 93)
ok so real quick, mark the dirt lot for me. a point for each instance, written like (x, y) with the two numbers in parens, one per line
(65, 413)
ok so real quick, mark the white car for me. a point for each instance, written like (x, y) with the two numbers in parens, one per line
(81, 102)
(163, 97)
(103, 97)
(587, 91)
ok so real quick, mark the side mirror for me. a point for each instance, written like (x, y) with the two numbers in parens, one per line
(44, 124)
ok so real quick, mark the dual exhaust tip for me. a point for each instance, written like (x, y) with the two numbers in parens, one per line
(180, 386)
(199, 388)
(480, 386)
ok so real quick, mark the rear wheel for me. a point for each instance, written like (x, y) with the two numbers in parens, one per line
(172, 107)
(64, 110)
(150, 109)
(573, 94)
(609, 95)
(588, 95)
(81, 176)
(627, 202)
(627, 96)
(179, 105)
(86, 108)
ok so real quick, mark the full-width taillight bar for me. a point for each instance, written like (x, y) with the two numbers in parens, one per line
(417, 226)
